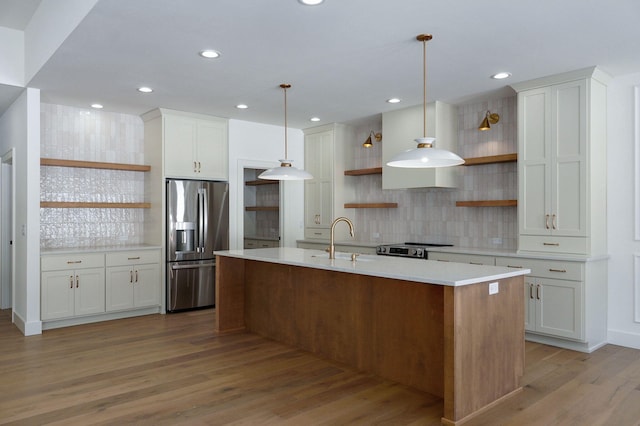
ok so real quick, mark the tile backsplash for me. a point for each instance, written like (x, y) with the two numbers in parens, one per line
(81, 134)
(430, 214)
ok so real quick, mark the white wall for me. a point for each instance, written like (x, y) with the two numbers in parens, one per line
(12, 54)
(20, 129)
(262, 145)
(624, 282)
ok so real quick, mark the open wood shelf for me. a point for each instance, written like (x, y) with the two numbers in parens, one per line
(92, 205)
(261, 182)
(261, 208)
(361, 172)
(370, 205)
(492, 159)
(487, 203)
(94, 165)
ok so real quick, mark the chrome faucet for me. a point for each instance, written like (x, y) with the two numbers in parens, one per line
(332, 249)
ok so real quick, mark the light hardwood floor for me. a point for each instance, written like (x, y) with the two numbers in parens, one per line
(173, 369)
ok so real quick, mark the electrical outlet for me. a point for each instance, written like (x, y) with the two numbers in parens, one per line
(494, 288)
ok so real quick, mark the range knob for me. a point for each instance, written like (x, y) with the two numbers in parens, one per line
(414, 252)
(382, 249)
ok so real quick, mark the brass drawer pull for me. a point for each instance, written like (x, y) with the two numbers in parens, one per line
(551, 244)
(514, 266)
(442, 260)
(71, 262)
(476, 263)
(133, 258)
(557, 270)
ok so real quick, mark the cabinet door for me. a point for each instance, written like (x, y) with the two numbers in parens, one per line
(318, 191)
(534, 159)
(559, 307)
(57, 296)
(119, 288)
(529, 305)
(568, 172)
(89, 291)
(180, 135)
(212, 150)
(146, 285)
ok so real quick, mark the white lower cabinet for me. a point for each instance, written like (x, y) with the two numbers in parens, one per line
(554, 307)
(72, 285)
(132, 279)
(78, 288)
(564, 300)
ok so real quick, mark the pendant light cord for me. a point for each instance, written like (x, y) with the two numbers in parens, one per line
(285, 87)
(424, 91)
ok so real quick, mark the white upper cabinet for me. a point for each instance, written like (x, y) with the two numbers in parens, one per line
(195, 146)
(401, 127)
(562, 163)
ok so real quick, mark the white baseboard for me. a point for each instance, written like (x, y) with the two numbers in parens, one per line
(27, 328)
(624, 338)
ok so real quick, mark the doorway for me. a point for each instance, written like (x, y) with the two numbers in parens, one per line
(7, 234)
(261, 210)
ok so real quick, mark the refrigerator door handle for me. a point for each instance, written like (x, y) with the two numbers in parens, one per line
(205, 219)
(200, 222)
(192, 266)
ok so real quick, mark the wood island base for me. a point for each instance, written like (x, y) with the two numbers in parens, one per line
(456, 342)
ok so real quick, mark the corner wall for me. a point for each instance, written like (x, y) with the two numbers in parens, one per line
(20, 129)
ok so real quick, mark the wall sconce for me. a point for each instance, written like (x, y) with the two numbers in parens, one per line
(489, 119)
(369, 142)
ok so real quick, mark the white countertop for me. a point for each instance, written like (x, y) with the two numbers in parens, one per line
(417, 270)
(74, 250)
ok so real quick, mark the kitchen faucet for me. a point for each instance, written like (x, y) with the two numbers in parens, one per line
(332, 249)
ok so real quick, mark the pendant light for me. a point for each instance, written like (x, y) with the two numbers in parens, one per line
(286, 171)
(425, 155)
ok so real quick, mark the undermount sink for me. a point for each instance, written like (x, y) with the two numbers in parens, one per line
(347, 256)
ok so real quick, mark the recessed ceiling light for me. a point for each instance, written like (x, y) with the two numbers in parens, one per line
(393, 100)
(145, 89)
(242, 106)
(310, 2)
(314, 119)
(501, 75)
(97, 106)
(210, 54)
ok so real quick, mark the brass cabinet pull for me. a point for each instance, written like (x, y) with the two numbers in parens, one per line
(475, 263)
(131, 276)
(71, 262)
(70, 281)
(317, 233)
(530, 291)
(136, 275)
(557, 270)
(195, 167)
(77, 281)
(538, 291)
(553, 221)
(546, 221)
(551, 244)
(199, 167)
(514, 266)
(133, 258)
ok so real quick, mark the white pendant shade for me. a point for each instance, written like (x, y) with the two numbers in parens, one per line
(285, 172)
(425, 156)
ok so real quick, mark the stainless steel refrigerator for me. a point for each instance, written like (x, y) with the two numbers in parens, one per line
(197, 224)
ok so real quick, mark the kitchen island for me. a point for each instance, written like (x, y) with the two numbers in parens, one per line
(453, 330)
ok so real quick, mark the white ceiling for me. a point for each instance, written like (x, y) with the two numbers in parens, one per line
(343, 58)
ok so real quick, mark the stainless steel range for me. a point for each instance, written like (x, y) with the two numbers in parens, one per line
(409, 249)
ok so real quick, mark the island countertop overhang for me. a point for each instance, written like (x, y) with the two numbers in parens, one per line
(416, 270)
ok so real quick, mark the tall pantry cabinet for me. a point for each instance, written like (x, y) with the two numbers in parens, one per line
(326, 151)
(562, 146)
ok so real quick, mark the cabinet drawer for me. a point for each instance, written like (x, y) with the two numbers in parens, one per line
(134, 257)
(550, 244)
(317, 233)
(558, 269)
(475, 259)
(71, 261)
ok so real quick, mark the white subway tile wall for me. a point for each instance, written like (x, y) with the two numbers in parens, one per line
(82, 134)
(430, 214)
